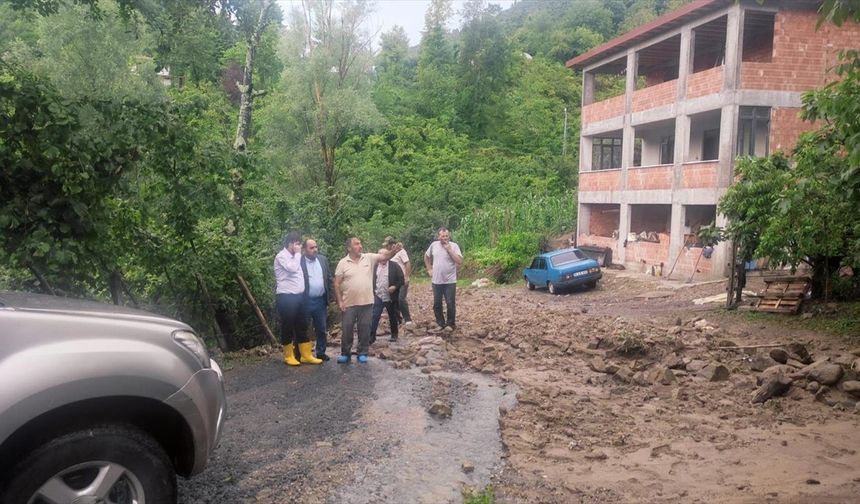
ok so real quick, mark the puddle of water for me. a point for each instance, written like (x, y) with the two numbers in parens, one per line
(423, 456)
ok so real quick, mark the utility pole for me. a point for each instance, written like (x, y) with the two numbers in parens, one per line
(564, 141)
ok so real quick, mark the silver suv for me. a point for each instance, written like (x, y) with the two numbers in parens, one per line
(101, 404)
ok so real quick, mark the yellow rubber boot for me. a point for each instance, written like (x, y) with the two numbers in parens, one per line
(290, 355)
(307, 356)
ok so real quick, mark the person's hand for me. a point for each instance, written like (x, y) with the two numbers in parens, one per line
(447, 246)
(340, 306)
(430, 272)
(392, 288)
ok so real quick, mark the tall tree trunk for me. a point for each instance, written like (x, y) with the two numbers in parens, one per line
(246, 87)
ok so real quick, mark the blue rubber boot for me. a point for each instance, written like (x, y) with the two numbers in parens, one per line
(344, 359)
(362, 359)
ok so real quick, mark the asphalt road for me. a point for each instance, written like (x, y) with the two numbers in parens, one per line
(350, 434)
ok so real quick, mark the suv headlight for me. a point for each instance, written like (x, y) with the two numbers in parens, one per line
(194, 344)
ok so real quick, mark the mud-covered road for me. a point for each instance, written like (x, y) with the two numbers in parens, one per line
(627, 393)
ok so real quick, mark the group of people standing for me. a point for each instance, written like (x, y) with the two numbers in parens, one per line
(363, 286)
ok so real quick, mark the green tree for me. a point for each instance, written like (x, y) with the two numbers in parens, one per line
(436, 82)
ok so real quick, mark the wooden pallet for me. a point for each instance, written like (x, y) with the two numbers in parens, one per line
(783, 295)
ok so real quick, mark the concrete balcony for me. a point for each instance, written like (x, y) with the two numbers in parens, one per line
(655, 96)
(603, 180)
(699, 175)
(704, 83)
(649, 178)
(602, 110)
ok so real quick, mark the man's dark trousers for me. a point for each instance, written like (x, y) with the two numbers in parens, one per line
(391, 308)
(449, 292)
(317, 312)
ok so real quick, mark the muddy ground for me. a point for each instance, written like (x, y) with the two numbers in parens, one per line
(622, 394)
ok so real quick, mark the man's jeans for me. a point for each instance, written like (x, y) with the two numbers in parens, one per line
(449, 292)
(316, 311)
(402, 304)
(391, 308)
(356, 316)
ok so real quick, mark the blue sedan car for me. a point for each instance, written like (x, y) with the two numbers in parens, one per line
(562, 268)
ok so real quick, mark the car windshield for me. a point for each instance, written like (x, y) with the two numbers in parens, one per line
(567, 258)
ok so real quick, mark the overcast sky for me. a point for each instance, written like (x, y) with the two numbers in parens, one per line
(407, 13)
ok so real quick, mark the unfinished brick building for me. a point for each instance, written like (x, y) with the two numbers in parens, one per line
(667, 107)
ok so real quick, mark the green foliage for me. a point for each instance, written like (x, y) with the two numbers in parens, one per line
(485, 496)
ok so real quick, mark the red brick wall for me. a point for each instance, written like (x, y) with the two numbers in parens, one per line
(606, 109)
(653, 177)
(785, 127)
(654, 96)
(686, 262)
(649, 252)
(608, 180)
(802, 56)
(704, 83)
(698, 175)
(604, 219)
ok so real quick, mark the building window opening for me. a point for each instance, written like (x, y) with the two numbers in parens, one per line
(658, 63)
(605, 82)
(709, 44)
(758, 36)
(606, 153)
(704, 137)
(753, 131)
(648, 222)
(656, 143)
(603, 220)
(695, 218)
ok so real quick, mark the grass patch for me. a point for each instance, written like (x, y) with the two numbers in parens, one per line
(485, 496)
(840, 319)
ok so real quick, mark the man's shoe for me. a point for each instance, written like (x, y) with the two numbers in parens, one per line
(290, 355)
(323, 357)
(362, 359)
(408, 323)
(343, 359)
(307, 356)
(448, 329)
(392, 339)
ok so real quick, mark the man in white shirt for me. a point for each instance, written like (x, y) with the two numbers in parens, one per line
(442, 259)
(290, 301)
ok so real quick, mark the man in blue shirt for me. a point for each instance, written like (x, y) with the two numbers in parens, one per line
(318, 289)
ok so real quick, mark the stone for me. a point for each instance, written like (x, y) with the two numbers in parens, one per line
(440, 409)
(324, 444)
(779, 355)
(597, 364)
(594, 343)
(674, 361)
(664, 376)
(624, 374)
(701, 324)
(855, 352)
(813, 386)
(855, 366)
(824, 372)
(806, 316)
(760, 362)
(774, 381)
(851, 387)
(596, 455)
(695, 365)
(674, 330)
(800, 351)
(468, 467)
(715, 372)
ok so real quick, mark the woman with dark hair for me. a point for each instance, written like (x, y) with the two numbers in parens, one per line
(290, 301)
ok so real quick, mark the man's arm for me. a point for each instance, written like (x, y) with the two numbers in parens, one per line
(337, 292)
(454, 254)
(291, 261)
(387, 254)
(428, 263)
(407, 271)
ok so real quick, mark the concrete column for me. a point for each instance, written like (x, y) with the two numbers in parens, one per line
(583, 220)
(587, 88)
(682, 148)
(728, 140)
(585, 152)
(685, 63)
(734, 47)
(676, 236)
(722, 252)
(623, 229)
(628, 133)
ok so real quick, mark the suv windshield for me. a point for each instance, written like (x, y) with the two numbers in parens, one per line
(567, 258)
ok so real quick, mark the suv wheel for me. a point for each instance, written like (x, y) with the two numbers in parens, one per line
(106, 464)
(530, 285)
(552, 288)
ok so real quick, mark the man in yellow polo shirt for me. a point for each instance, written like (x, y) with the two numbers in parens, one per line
(353, 290)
